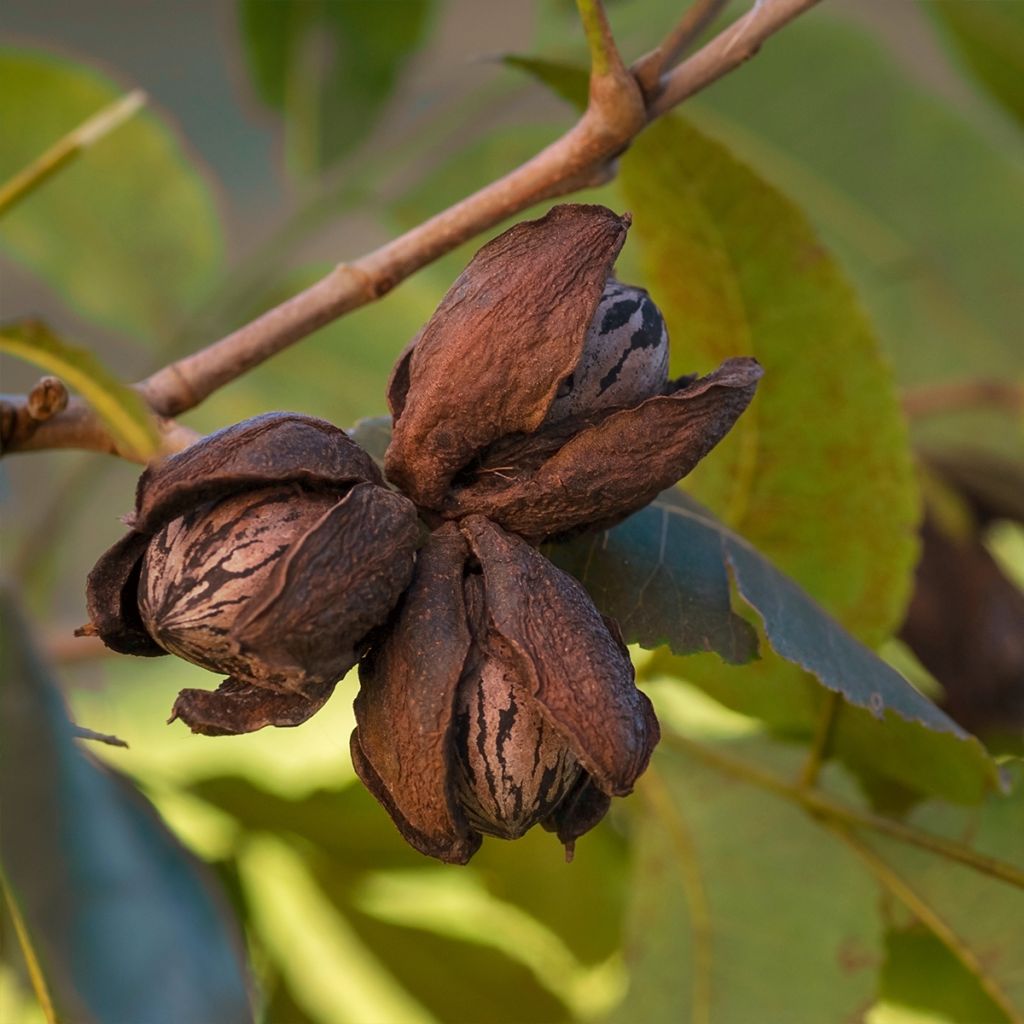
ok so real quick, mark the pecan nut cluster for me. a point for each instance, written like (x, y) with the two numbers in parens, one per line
(493, 695)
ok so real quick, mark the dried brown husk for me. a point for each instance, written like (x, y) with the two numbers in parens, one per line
(590, 474)
(471, 396)
(344, 553)
(566, 662)
(489, 361)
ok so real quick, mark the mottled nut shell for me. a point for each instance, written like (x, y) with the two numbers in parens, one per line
(498, 698)
(266, 451)
(577, 670)
(490, 360)
(593, 473)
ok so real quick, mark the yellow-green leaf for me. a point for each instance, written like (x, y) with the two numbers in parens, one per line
(128, 233)
(122, 409)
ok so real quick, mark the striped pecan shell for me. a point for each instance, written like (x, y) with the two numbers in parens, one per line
(266, 552)
(498, 699)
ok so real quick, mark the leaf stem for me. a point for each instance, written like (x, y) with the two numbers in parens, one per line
(35, 972)
(70, 146)
(823, 805)
(822, 739)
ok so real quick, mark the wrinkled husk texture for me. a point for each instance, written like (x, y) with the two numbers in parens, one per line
(472, 394)
(266, 552)
(451, 756)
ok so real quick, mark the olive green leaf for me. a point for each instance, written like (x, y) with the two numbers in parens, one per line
(990, 40)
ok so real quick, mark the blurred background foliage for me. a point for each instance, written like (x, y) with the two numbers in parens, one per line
(848, 207)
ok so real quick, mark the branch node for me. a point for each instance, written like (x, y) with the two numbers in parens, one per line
(48, 397)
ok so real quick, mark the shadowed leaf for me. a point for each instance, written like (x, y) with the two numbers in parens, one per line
(674, 539)
(128, 925)
(990, 40)
(329, 66)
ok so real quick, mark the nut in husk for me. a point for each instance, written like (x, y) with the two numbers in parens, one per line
(498, 699)
(266, 552)
(537, 394)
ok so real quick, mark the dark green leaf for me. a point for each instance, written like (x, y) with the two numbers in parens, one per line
(990, 39)
(129, 232)
(128, 925)
(329, 66)
(923, 976)
(883, 718)
(729, 922)
(662, 582)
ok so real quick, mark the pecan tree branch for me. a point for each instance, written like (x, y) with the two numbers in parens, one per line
(584, 156)
(726, 51)
(648, 69)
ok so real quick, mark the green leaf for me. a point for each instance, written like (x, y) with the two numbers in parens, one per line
(729, 922)
(121, 408)
(569, 81)
(437, 933)
(889, 174)
(883, 721)
(128, 925)
(662, 581)
(329, 66)
(817, 473)
(978, 918)
(923, 976)
(990, 39)
(129, 233)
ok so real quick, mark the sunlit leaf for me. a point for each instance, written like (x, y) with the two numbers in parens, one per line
(990, 39)
(121, 408)
(128, 233)
(451, 965)
(890, 173)
(729, 922)
(329, 66)
(128, 925)
(980, 919)
(737, 270)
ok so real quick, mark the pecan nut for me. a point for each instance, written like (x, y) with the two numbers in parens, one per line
(267, 552)
(514, 401)
(498, 699)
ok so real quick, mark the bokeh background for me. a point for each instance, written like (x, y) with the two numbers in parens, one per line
(894, 126)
